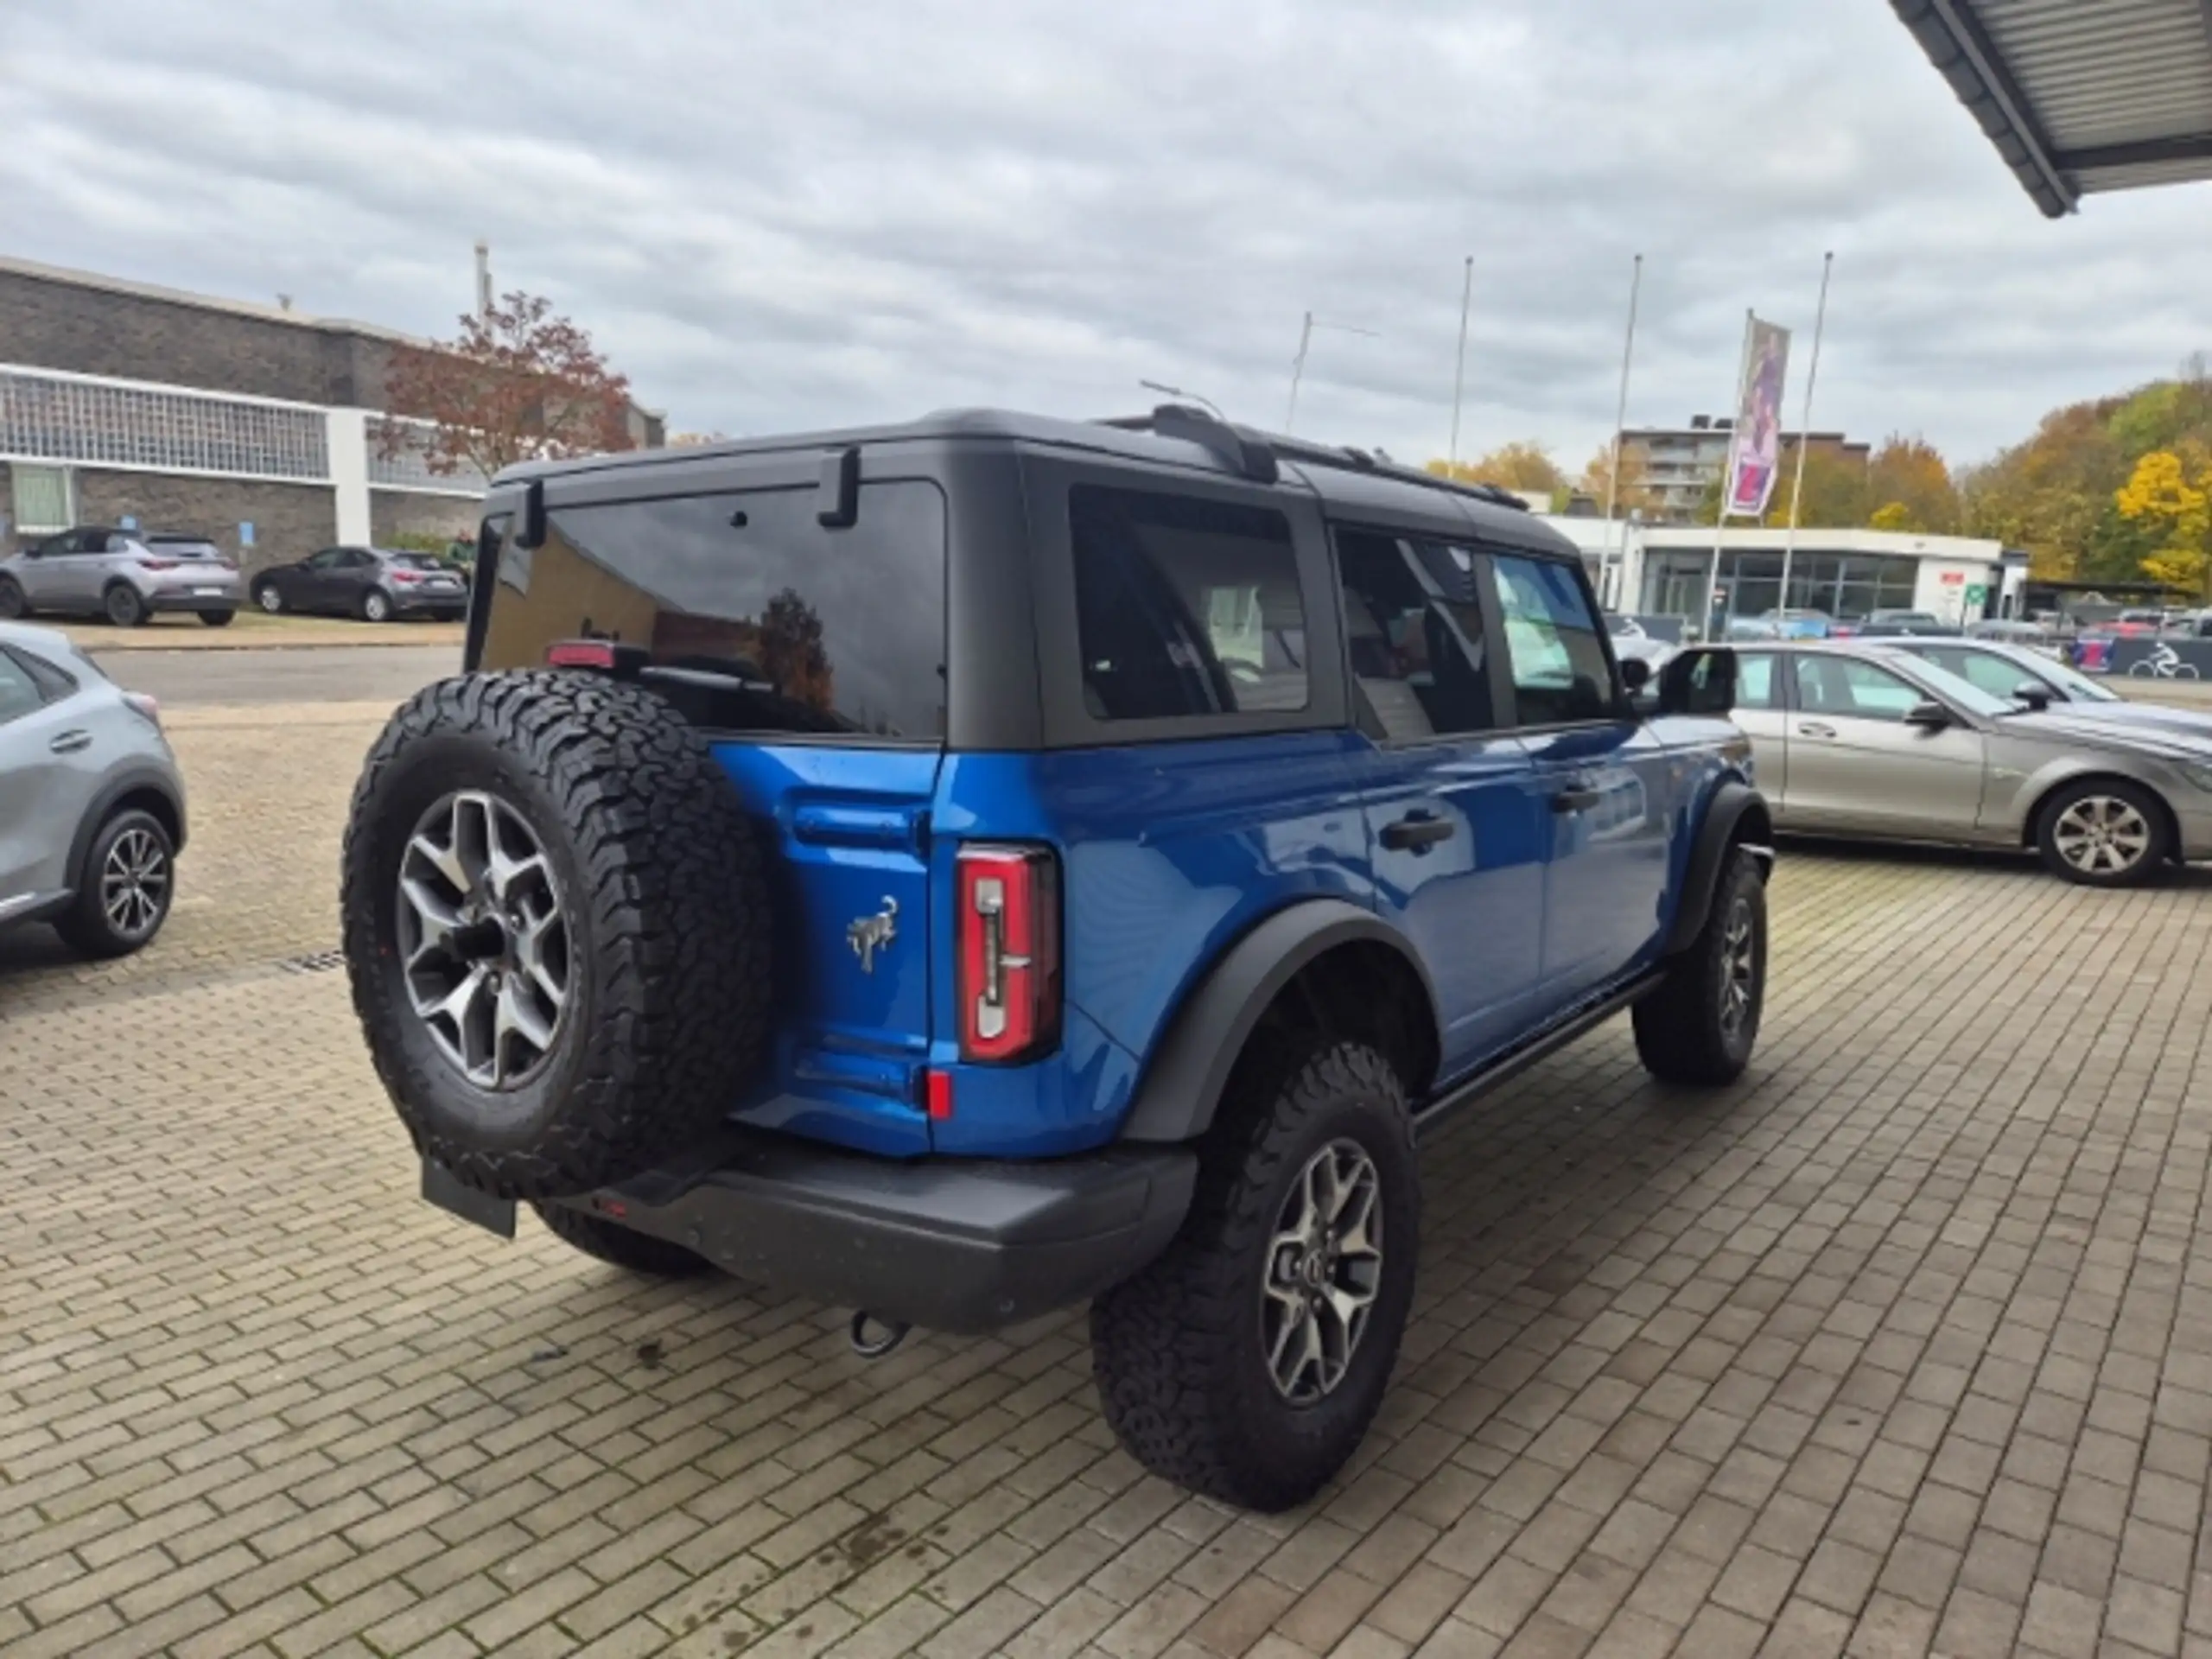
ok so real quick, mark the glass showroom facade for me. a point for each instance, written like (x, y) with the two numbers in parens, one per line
(1843, 585)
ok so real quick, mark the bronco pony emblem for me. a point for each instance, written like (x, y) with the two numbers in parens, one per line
(868, 934)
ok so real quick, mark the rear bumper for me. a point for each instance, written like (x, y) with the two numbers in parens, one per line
(445, 607)
(950, 1244)
(162, 599)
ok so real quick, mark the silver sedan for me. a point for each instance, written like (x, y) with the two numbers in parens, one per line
(1874, 740)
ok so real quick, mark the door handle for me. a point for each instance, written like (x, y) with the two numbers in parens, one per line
(1577, 797)
(1417, 832)
(70, 742)
(1815, 728)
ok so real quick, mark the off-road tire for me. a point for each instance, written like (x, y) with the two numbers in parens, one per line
(122, 605)
(667, 918)
(218, 619)
(1682, 1034)
(619, 1246)
(85, 927)
(1177, 1351)
(13, 606)
(2155, 855)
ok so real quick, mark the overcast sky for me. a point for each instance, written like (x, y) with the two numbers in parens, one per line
(777, 216)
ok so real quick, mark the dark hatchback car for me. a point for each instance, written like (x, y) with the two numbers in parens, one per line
(374, 583)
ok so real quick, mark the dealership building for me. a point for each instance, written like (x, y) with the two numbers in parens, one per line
(259, 427)
(1670, 570)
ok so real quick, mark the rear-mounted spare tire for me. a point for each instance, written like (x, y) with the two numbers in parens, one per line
(557, 929)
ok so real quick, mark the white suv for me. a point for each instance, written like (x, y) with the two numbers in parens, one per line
(120, 574)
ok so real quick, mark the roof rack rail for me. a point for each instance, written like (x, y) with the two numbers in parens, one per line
(1254, 455)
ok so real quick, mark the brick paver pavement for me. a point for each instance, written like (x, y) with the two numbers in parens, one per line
(1901, 1345)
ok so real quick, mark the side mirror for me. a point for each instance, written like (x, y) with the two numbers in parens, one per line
(1699, 683)
(1930, 715)
(2034, 693)
(1635, 674)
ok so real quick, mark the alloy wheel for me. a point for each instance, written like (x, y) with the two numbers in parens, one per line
(1324, 1270)
(2101, 835)
(1739, 967)
(484, 940)
(135, 883)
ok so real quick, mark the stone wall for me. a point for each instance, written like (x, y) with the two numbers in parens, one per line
(401, 512)
(55, 324)
(289, 520)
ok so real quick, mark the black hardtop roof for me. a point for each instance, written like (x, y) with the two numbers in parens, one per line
(1349, 480)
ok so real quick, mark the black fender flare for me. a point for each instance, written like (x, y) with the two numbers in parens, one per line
(131, 781)
(1180, 1089)
(1736, 813)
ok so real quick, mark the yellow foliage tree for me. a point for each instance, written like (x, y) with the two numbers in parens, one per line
(1524, 464)
(2170, 494)
(1891, 515)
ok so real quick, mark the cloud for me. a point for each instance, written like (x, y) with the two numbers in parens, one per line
(777, 217)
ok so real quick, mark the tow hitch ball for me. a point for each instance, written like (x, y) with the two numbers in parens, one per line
(888, 1334)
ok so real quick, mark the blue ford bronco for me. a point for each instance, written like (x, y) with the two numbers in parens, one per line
(959, 870)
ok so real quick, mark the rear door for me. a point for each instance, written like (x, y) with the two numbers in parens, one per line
(1606, 780)
(1856, 765)
(1452, 820)
(41, 796)
(813, 657)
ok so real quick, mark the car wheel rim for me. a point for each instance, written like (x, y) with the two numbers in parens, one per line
(483, 939)
(1324, 1269)
(2102, 835)
(376, 607)
(134, 882)
(118, 608)
(271, 601)
(1740, 969)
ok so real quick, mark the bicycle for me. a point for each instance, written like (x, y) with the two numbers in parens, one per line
(2163, 663)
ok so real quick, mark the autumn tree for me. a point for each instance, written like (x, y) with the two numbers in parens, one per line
(2170, 495)
(1524, 464)
(517, 384)
(1636, 494)
(1909, 485)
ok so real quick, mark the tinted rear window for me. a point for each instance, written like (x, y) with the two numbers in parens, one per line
(830, 630)
(1184, 607)
(182, 547)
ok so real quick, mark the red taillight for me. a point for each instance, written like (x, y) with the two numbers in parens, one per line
(156, 564)
(144, 707)
(1009, 981)
(609, 656)
(404, 576)
(940, 1096)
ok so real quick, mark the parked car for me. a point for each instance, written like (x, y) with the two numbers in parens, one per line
(1031, 862)
(1799, 624)
(1874, 739)
(1890, 623)
(2010, 630)
(119, 575)
(373, 583)
(91, 805)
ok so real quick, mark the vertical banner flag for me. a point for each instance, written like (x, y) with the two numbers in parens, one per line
(1755, 455)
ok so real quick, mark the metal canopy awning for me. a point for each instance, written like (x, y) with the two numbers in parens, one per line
(2080, 95)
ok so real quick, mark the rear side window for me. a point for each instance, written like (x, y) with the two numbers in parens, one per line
(19, 693)
(1184, 607)
(53, 683)
(803, 627)
(1420, 655)
(1558, 655)
(1755, 684)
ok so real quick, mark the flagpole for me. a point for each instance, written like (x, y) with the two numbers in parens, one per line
(1727, 471)
(1805, 429)
(1459, 373)
(1620, 421)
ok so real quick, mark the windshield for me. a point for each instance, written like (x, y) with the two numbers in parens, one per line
(1962, 694)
